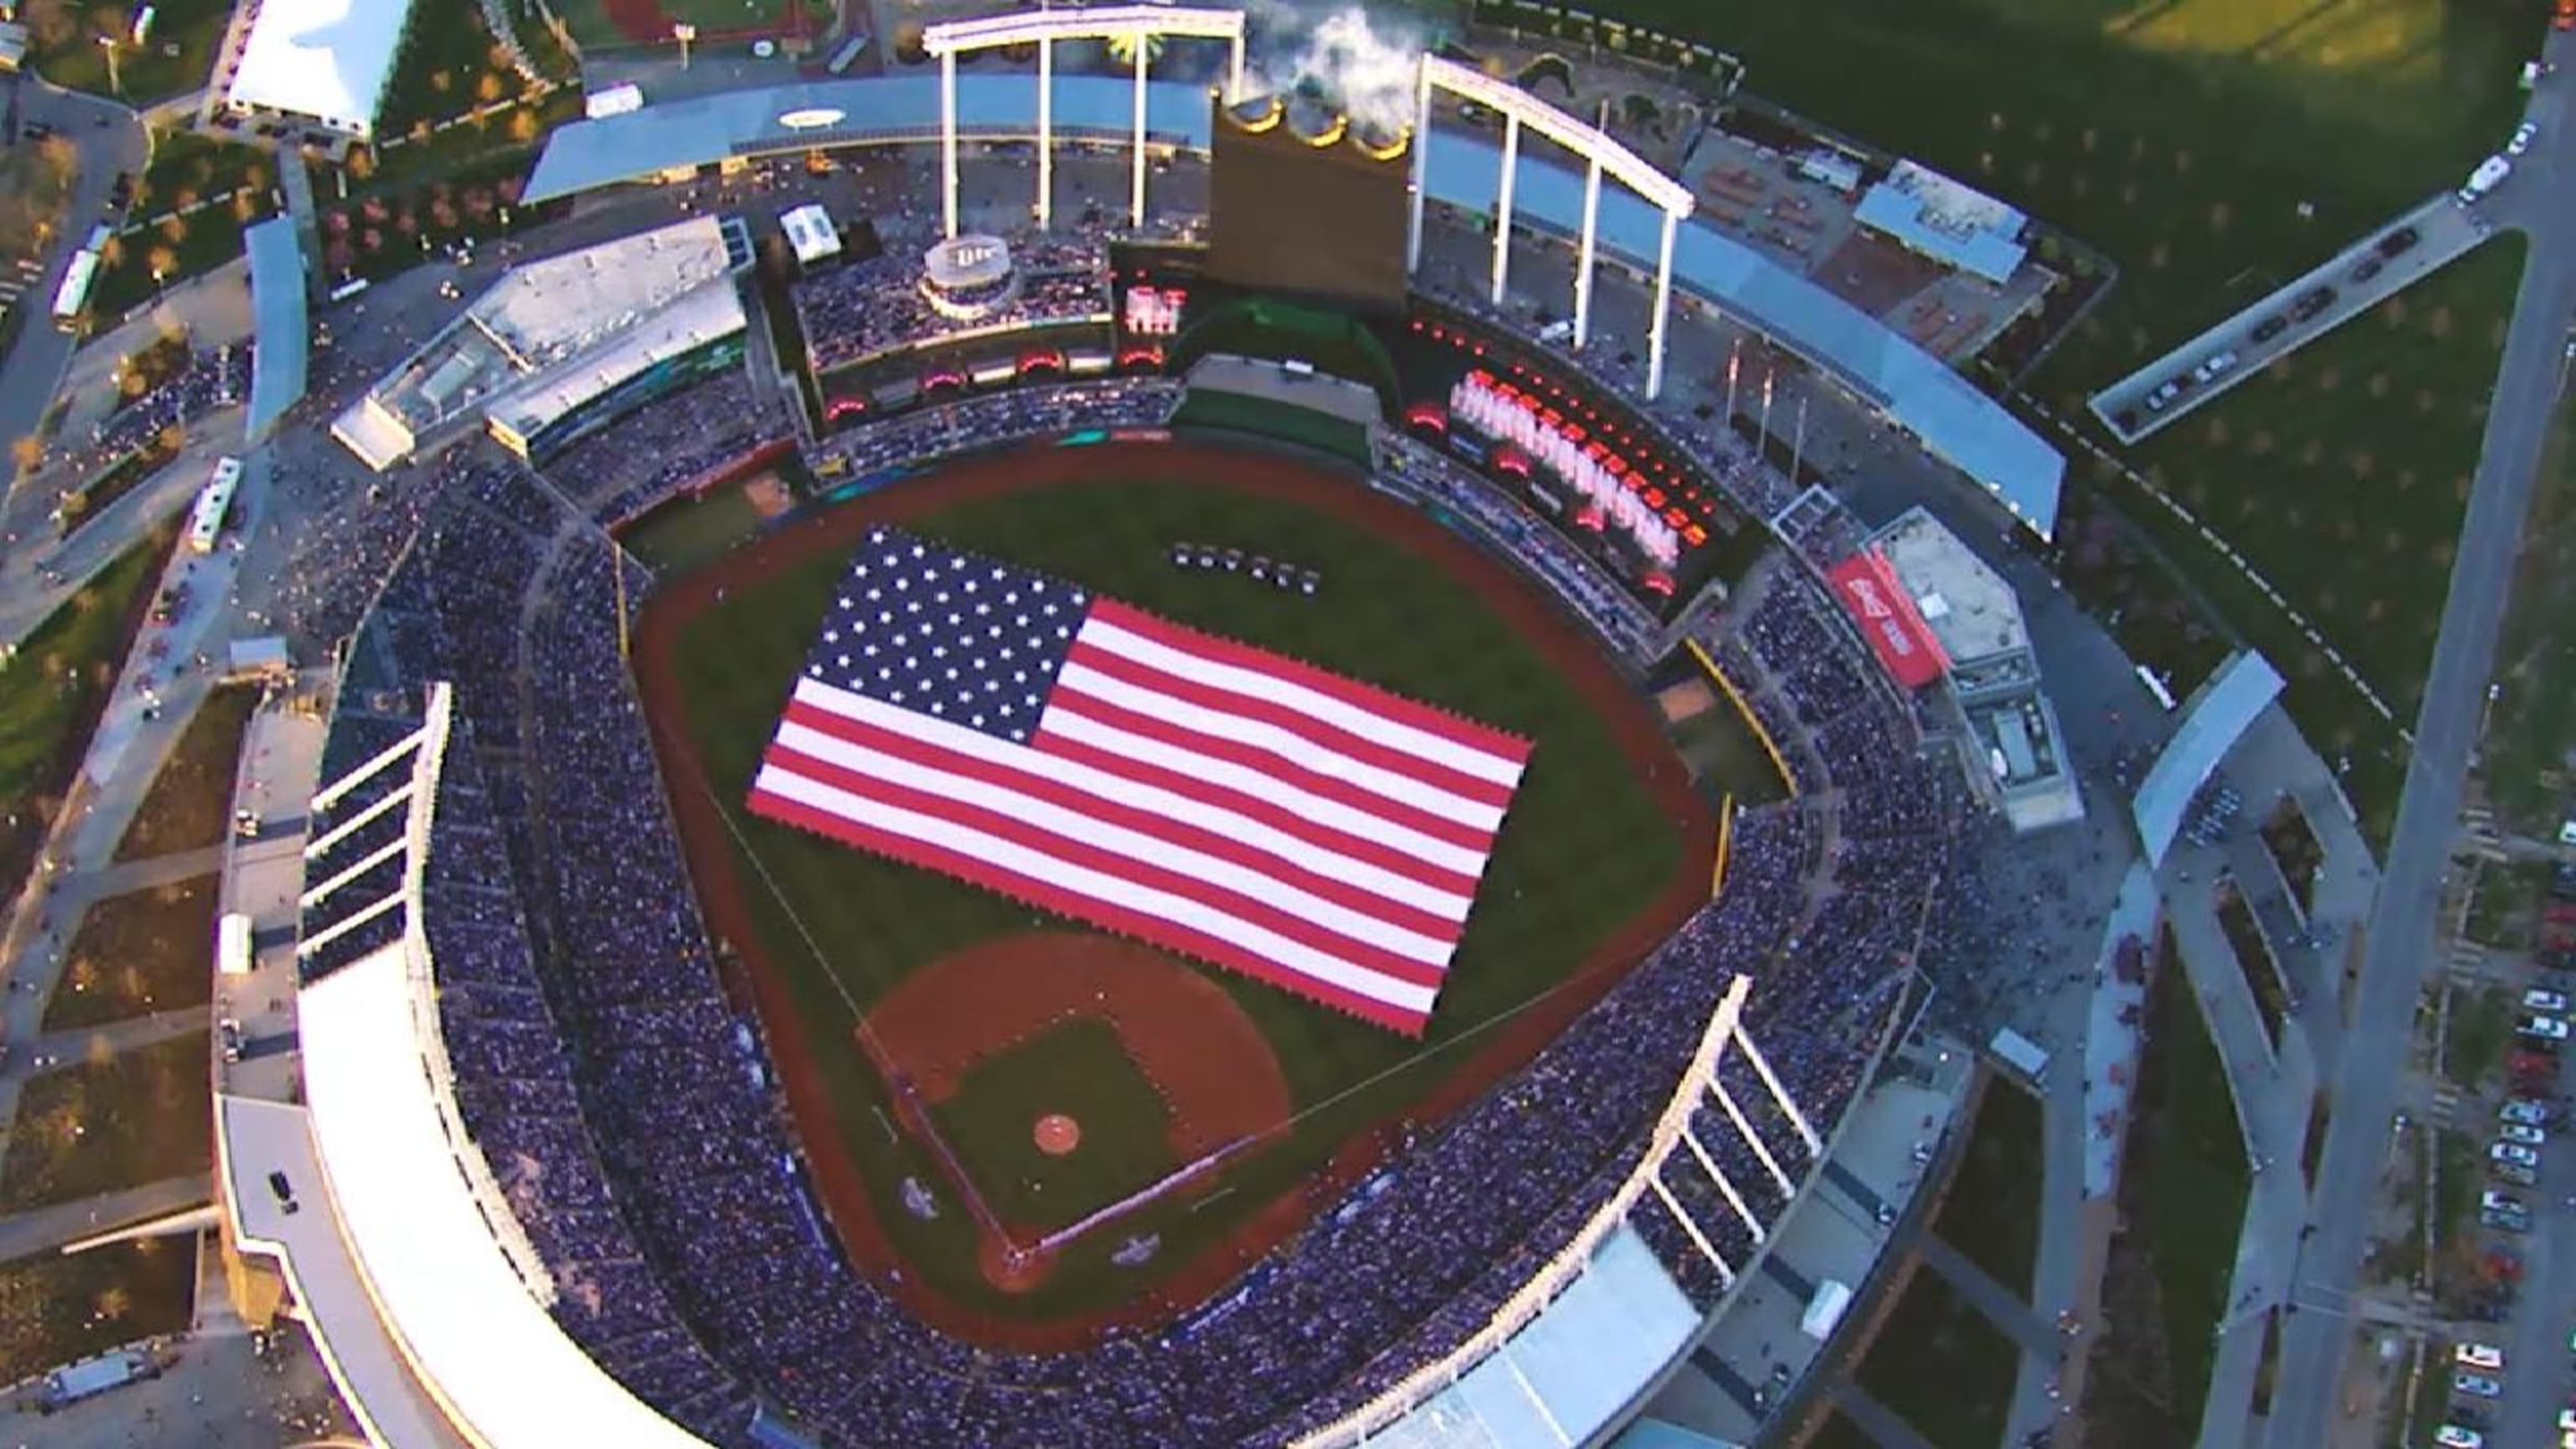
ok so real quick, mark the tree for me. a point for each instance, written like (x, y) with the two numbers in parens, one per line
(113, 1303)
(523, 125)
(488, 89)
(361, 162)
(27, 452)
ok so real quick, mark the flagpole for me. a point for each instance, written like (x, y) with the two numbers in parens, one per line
(1734, 364)
(1798, 445)
(1763, 441)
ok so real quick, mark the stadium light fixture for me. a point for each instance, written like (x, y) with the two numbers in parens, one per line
(1043, 28)
(1602, 153)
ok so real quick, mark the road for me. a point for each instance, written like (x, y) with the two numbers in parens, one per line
(2400, 948)
(36, 360)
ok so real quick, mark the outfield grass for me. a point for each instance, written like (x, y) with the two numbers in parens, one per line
(1991, 1211)
(1586, 848)
(138, 953)
(686, 532)
(1272, 418)
(1077, 1069)
(2183, 140)
(1941, 1367)
(109, 1124)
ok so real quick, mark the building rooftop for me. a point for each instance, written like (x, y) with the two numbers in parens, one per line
(695, 320)
(328, 59)
(1969, 607)
(1946, 220)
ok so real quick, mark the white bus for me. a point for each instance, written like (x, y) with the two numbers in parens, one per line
(214, 505)
(71, 299)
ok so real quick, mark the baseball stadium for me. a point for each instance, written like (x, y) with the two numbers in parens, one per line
(1140, 819)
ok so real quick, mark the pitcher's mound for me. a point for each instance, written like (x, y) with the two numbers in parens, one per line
(1057, 1134)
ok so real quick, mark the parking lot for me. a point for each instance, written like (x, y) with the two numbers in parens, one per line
(2525, 1354)
(2372, 269)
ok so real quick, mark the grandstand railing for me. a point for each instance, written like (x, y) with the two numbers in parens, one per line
(1725, 1024)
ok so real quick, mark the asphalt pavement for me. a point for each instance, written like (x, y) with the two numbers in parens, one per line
(2400, 946)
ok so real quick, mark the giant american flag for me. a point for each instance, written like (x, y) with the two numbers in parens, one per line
(1079, 754)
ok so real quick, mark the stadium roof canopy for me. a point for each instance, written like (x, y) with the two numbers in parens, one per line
(469, 1327)
(325, 59)
(278, 323)
(1567, 1376)
(698, 318)
(2215, 720)
(1916, 390)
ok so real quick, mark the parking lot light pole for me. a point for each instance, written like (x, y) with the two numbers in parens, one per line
(684, 34)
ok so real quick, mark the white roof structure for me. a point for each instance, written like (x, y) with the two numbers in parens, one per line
(811, 233)
(442, 1285)
(1966, 604)
(701, 317)
(327, 60)
(2218, 716)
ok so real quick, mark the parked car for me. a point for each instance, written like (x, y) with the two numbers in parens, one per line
(2547, 1028)
(2311, 302)
(2368, 268)
(2522, 1132)
(2271, 327)
(2498, 1202)
(2522, 137)
(2452, 1436)
(2396, 242)
(2513, 1152)
(2534, 1114)
(2506, 1222)
(2513, 1172)
(2477, 1385)
(2479, 1356)
(2165, 393)
(2214, 367)
(2538, 1000)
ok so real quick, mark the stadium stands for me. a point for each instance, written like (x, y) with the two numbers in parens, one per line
(626, 1109)
(869, 308)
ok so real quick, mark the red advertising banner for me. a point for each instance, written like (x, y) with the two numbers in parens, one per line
(1888, 619)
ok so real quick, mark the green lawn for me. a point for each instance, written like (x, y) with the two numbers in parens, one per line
(1271, 418)
(138, 953)
(1586, 848)
(2523, 762)
(50, 693)
(686, 532)
(1991, 1211)
(2474, 1039)
(2181, 139)
(190, 804)
(1081, 1071)
(55, 1309)
(63, 46)
(1941, 1367)
(108, 1124)
(2185, 1185)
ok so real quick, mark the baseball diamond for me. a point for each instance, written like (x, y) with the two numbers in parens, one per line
(1607, 818)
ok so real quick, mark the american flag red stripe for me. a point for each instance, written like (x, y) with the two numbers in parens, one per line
(1306, 830)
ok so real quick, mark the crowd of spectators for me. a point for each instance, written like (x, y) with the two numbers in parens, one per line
(866, 308)
(625, 1109)
(984, 420)
(210, 378)
(625, 470)
(1424, 474)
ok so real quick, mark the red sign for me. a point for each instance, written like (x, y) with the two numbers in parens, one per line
(1888, 619)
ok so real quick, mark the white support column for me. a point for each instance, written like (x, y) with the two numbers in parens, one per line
(1583, 261)
(1234, 76)
(1753, 1054)
(1699, 1240)
(1503, 208)
(1046, 134)
(1663, 309)
(948, 141)
(1752, 1139)
(1725, 1185)
(1421, 166)
(1136, 187)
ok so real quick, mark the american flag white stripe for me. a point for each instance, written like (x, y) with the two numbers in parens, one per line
(1042, 815)
(1069, 721)
(1082, 682)
(1208, 667)
(950, 838)
(1124, 790)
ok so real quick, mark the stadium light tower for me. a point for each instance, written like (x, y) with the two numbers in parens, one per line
(1137, 24)
(1602, 155)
